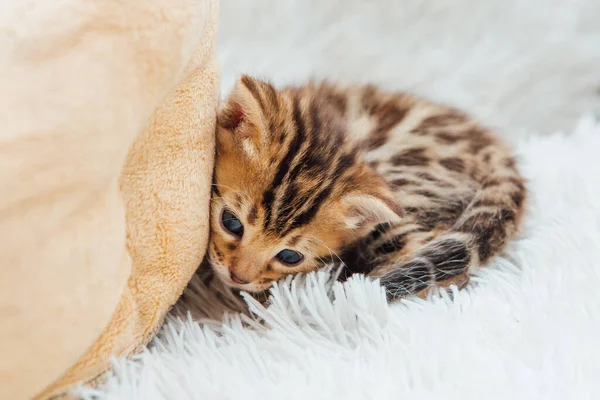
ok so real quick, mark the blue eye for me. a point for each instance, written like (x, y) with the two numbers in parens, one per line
(232, 223)
(289, 257)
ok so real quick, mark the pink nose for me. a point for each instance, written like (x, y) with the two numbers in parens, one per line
(236, 279)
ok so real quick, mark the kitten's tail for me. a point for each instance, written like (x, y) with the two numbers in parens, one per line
(489, 221)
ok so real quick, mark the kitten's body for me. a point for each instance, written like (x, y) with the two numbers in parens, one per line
(400, 188)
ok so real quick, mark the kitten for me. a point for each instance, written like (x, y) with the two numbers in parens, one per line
(400, 188)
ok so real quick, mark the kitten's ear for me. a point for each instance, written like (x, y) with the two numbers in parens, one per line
(361, 210)
(241, 113)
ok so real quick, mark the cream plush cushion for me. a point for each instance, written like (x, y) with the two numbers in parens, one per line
(107, 113)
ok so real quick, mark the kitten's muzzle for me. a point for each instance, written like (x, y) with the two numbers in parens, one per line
(237, 280)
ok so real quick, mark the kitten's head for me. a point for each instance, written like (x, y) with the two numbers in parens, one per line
(289, 188)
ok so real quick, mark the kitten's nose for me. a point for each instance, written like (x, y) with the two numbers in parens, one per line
(236, 279)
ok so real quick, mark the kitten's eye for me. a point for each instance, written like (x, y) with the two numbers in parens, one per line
(232, 223)
(289, 257)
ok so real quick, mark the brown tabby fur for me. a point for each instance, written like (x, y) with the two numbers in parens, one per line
(400, 188)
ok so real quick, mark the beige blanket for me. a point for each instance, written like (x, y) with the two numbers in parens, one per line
(107, 113)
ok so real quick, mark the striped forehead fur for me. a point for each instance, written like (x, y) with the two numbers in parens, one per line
(310, 155)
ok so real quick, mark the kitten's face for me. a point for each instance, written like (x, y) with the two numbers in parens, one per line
(289, 190)
(245, 255)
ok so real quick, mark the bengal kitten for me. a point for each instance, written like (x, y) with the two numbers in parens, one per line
(400, 188)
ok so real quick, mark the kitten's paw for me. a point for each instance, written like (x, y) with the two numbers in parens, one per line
(460, 281)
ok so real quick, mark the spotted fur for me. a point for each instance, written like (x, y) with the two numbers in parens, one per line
(397, 187)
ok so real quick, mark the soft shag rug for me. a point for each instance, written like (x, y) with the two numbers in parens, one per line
(529, 325)
(527, 328)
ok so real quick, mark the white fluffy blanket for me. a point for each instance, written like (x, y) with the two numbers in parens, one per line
(528, 327)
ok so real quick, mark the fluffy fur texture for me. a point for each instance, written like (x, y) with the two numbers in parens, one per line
(392, 185)
(527, 328)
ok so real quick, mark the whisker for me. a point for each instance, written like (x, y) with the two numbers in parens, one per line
(233, 190)
(339, 268)
(239, 204)
(331, 252)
